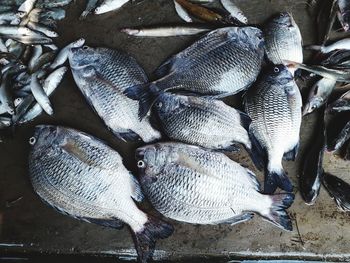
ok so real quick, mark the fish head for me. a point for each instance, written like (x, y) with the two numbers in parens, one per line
(168, 104)
(85, 56)
(312, 104)
(152, 160)
(284, 19)
(44, 135)
(279, 73)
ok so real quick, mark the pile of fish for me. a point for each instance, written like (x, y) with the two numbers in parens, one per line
(31, 66)
(183, 169)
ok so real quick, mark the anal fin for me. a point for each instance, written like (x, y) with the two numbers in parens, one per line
(236, 219)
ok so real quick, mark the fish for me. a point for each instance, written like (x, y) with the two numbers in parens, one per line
(344, 14)
(40, 95)
(343, 44)
(10, 15)
(52, 3)
(337, 59)
(37, 52)
(319, 94)
(339, 190)
(109, 5)
(223, 62)
(62, 55)
(5, 96)
(90, 6)
(102, 75)
(283, 39)
(27, 6)
(234, 10)
(7, 30)
(200, 11)
(311, 174)
(182, 13)
(80, 176)
(274, 104)
(198, 186)
(42, 29)
(3, 48)
(42, 60)
(204, 122)
(166, 31)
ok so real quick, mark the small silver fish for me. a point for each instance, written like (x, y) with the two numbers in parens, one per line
(109, 5)
(182, 13)
(165, 31)
(234, 10)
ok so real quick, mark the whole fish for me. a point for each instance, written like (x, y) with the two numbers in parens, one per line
(182, 13)
(37, 52)
(204, 122)
(234, 10)
(27, 6)
(274, 105)
(311, 175)
(31, 40)
(339, 190)
(344, 14)
(42, 29)
(5, 96)
(223, 62)
(283, 39)
(190, 184)
(40, 95)
(318, 95)
(165, 31)
(109, 5)
(200, 11)
(82, 177)
(90, 6)
(102, 75)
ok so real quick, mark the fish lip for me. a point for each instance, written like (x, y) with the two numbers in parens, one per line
(140, 153)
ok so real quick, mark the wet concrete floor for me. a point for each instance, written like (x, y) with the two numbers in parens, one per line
(31, 226)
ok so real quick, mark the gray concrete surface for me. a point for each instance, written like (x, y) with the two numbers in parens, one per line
(31, 226)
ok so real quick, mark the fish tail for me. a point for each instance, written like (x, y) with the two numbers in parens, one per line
(277, 214)
(275, 179)
(256, 152)
(146, 94)
(146, 238)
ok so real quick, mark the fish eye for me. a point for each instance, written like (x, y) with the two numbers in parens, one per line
(276, 69)
(32, 140)
(159, 104)
(141, 164)
(85, 47)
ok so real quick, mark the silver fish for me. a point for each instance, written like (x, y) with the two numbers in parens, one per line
(102, 75)
(5, 96)
(283, 39)
(82, 177)
(223, 62)
(274, 105)
(319, 94)
(182, 13)
(37, 52)
(40, 95)
(27, 6)
(42, 29)
(234, 10)
(204, 122)
(343, 44)
(165, 31)
(52, 3)
(31, 40)
(109, 5)
(194, 185)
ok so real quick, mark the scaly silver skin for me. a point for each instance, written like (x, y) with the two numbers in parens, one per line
(201, 121)
(190, 184)
(283, 39)
(102, 75)
(224, 62)
(274, 105)
(82, 177)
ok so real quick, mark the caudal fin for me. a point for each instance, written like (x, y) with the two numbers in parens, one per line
(146, 94)
(146, 238)
(277, 214)
(277, 179)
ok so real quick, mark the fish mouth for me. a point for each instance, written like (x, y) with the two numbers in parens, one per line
(140, 153)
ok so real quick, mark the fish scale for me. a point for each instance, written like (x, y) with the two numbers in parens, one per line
(102, 75)
(194, 185)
